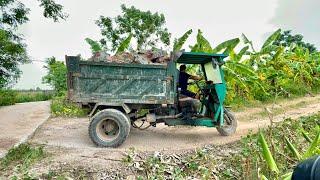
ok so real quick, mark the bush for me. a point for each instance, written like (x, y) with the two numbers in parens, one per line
(31, 96)
(7, 97)
(10, 97)
(61, 107)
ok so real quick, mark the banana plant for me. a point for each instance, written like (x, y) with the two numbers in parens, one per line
(94, 45)
(239, 76)
(202, 45)
(124, 44)
(302, 66)
(259, 57)
(313, 149)
(178, 43)
(226, 46)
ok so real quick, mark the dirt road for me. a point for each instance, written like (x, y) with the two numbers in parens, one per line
(67, 138)
(19, 121)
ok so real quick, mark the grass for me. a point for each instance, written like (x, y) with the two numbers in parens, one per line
(19, 159)
(232, 161)
(7, 97)
(60, 107)
(32, 96)
(10, 97)
(240, 103)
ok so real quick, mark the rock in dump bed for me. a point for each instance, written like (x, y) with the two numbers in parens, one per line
(141, 57)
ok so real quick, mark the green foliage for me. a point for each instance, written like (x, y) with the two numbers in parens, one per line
(13, 13)
(32, 96)
(227, 46)
(56, 76)
(273, 37)
(94, 45)
(12, 53)
(286, 39)
(52, 10)
(61, 107)
(178, 43)
(262, 74)
(286, 152)
(293, 149)
(19, 159)
(267, 154)
(22, 154)
(257, 156)
(10, 97)
(202, 44)
(313, 149)
(124, 44)
(147, 28)
(7, 97)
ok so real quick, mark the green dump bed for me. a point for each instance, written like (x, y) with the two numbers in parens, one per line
(113, 83)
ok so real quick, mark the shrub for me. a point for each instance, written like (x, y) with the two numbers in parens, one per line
(7, 97)
(31, 96)
(61, 107)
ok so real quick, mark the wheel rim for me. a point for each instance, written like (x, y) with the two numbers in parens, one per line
(108, 130)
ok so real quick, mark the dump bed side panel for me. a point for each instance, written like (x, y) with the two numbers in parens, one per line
(94, 82)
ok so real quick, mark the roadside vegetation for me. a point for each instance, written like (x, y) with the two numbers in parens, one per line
(284, 66)
(277, 69)
(60, 106)
(272, 153)
(10, 97)
(56, 78)
(18, 161)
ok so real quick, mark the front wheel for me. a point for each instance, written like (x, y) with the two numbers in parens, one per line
(230, 124)
(109, 128)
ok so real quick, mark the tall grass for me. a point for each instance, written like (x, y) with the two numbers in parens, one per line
(10, 97)
(31, 96)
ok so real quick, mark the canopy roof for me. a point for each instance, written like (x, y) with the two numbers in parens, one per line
(199, 58)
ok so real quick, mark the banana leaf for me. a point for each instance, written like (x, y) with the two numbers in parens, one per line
(227, 46)
(202, 44)
(94, 45)
(245, 39)
(179, 42)
(293, 149)
(267, 154)
(305, 135)
(274, 36)
(287, 176)
(124, 44)
(313, 147)
(242, 52)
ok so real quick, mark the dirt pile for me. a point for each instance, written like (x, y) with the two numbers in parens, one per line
(156, 56)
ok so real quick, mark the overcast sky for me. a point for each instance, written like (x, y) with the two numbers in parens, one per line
(219, 21)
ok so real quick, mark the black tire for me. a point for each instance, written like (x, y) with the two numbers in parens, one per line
(230, 124)
(106, 119)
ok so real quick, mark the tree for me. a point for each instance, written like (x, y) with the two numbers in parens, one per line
(12, 49)
(146, 28)
(56, 75)
(286, 39)
(12, 52)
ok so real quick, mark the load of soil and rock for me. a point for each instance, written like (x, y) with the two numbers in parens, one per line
(140, 57)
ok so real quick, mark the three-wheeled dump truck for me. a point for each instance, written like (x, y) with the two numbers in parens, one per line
(118, 93)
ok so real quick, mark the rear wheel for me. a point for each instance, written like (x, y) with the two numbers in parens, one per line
(109, 128)
(230, 124)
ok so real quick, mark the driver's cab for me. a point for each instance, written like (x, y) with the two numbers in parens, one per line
(213, 92)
